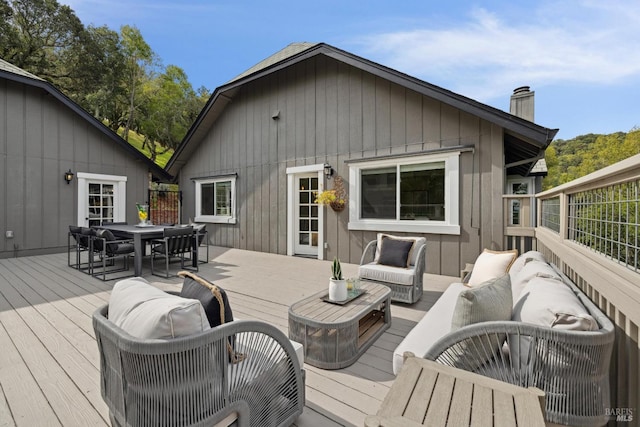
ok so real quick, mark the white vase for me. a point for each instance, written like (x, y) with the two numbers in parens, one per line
(337, 290)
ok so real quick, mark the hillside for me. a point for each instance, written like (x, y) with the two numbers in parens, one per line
(572, 158)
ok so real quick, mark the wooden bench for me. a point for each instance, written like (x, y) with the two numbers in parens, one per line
(428, 393)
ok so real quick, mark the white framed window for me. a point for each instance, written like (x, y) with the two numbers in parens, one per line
(418, 194)
(216, 199)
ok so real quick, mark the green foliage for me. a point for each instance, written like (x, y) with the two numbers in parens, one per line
(336, 269)
(114, 75)
(570, 159)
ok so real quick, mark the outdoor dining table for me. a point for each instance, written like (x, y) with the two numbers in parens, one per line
(140, 234)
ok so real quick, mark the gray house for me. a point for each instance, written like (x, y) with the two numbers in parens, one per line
(43, 136)
(415, 159)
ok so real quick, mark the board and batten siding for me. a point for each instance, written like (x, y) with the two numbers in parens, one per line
(332, 112)
(40, 139)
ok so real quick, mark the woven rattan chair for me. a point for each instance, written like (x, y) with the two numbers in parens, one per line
(400, 292)
(194, 380)
(571, 367)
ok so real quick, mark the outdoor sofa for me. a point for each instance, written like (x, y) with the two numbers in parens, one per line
(163, 364)
(523, 322)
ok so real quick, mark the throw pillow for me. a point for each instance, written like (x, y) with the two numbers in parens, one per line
(491, 264)
(395, 252)
(489, 301)
(147, 312)
(213, 298)
(418, 243)
(216, 306)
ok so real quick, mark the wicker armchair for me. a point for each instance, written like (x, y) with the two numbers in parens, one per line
(571, 367)
(194, 380)
(407, 293)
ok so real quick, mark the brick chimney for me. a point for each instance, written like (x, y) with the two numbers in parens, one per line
(522, 103)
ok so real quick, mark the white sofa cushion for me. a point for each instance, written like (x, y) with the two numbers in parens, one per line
(147, 312)
(549, 302)
(491, 264)
(524, 259)
(418, 243)
(433, 326)
(533, 268)
(386, 273)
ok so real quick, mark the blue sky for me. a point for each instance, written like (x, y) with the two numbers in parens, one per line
(581, 57)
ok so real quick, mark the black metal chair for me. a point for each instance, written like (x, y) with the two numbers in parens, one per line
(176, 243)
(108, 248)
(82, 238)
(202, 235)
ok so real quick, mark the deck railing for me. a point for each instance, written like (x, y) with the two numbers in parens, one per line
(590, 229)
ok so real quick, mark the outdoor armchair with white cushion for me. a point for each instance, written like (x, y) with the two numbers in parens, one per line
(195, 380)
(405, 283)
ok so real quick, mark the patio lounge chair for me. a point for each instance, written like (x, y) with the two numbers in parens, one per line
(196, 379)
(405, 281)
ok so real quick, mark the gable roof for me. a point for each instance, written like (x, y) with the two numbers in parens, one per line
(11, 72)
(525, 141)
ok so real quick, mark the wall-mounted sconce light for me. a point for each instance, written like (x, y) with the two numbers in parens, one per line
(328, 171)
(68, 176)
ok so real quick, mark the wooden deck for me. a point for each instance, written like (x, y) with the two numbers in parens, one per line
(49, 365)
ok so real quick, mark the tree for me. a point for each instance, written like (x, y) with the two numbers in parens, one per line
(170, 106)
(43, 30)
(108, 101)
(139, 59)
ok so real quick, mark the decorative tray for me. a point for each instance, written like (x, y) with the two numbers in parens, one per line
(351, 297)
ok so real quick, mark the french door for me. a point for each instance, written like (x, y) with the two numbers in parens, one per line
(101, 198)
(306, 221)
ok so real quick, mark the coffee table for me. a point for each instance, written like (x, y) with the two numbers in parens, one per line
(335, 336)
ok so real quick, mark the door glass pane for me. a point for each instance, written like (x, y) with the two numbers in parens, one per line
(378, 198)
(422, 192)
(313, 184)
(303, 184)
(304, 225)
(304, 211)
(314, 239)
(304, 197)
(304, 238)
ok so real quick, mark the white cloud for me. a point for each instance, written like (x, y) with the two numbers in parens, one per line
(487, 55)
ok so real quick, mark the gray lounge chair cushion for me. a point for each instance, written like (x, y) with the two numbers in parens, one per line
(395, 252)
(147, 312)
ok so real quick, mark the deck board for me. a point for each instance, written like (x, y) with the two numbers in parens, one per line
(49, 365)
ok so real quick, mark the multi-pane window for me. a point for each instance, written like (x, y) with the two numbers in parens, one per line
(409, 194)
(215, 200)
